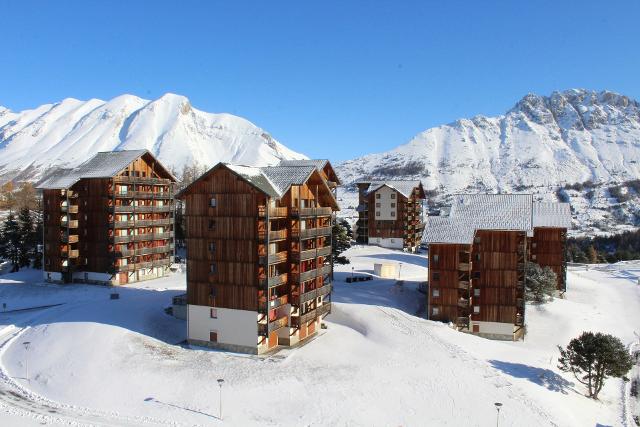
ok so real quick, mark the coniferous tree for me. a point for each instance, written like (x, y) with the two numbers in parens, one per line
(592, 358)
(540, 283)
(11, 235)
(27, 239)
(342, 235)
(39, 228)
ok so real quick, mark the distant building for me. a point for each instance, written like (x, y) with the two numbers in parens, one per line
(259, 254)
(477, 256)
(390, 214)
(109, 220)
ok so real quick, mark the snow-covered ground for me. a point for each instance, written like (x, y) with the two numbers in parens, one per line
(93, 360)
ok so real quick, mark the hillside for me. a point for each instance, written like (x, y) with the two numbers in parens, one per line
(71, 131)
(540, 145)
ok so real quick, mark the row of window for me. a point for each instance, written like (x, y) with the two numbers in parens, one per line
(392, 213)
(435, 293)
(435, 311)
(435, 276)
(393, 195)
(393, 205)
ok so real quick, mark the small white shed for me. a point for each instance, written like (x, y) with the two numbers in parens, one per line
(386, 271)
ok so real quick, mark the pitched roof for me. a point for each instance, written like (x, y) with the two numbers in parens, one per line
(104, 164)
(472, 212)
(403, 187)
(318, 163)
(284, 177)
(255, 177)
(556, 215)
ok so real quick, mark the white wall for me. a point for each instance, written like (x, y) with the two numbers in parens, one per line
(392, 243)
(236, 327)
(52, 275)
(93, 277)
(494, 327)
(386, 211)
(387, 271)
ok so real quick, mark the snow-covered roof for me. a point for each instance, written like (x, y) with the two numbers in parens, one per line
(255, 177)
(556, 215)
(103, 165)
(514, 212)
(318, 163)
(403, 187)
(284, 177)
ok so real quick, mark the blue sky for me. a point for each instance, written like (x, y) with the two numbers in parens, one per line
(332, 79)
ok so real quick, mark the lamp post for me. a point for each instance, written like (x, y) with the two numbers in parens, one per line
(26, 345)
(399, 270)
(351, 274)
(220, 382)
(498, 405)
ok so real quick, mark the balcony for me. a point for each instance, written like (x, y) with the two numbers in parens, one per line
(297, 321)
(311, 232)
(143, 223)
(264, 305)
(325, 308)
(142, 237)
(311, 254)
(277, 235)
(69, 224)
(274, 280)
(141, 180)
(464, 266)
(274, 212)
(69, 208)
(273, 258)
(312, 294)
(311, 212)
(462, 322)
(463, 303)
(464, 285)
(69, 238)
(267, 328)
(311, 274)
(143, 209)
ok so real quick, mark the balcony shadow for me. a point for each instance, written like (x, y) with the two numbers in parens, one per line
(543, 377)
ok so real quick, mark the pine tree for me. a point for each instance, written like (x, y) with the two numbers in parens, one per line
(11, 236)
(592, 358)
(592, 255)
(540, 283)
(342, 235)
(27, 239)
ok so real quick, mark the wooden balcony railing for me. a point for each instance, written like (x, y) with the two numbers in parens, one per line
(69, 208)
(141, 180)
(264, 305)
(309, 212)
(143, 209)
(463, 302)
(69, 224)
(310, 233)
(312, 294)
(464, 266)
(274, 280)
(297, 321)
(274, 258)
(464, 285)
(324, 309)
(267, 328)
(311, 253)
(311, 274)
(274, 212)
(277, 235)
(69, 238)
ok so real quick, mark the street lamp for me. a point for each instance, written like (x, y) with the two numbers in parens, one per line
(399, 270)
(498, 406)
(352, 274)
(26, 345)
(220, 382)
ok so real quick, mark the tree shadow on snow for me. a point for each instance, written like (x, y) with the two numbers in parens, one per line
(543, 377)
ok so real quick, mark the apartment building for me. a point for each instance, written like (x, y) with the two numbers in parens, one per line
(477, 257)
(109, 221)
(390, 214)
(259, 254)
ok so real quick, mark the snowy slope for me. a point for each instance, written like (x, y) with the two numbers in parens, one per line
(568, 137)
(378, 363)
(69, 132)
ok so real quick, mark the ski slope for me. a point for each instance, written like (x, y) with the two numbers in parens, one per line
(93, 360)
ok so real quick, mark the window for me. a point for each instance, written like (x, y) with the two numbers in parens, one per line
(213, 336)
(213, 202)
(393, 205)
(393, 195)
(476, 309)
(436, 275)
(478, 257)
(378, 213)
(393, 214)
(476, 292)
(377, 195)
(378, 205)
(435, 258)
(212, 247)
(212, 224)
(534, 257)
(436, 293)
(213, 269)
(476, 274)
(213, 313)
(435, 311)
(393, 241)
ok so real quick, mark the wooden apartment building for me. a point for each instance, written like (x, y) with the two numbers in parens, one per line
(258, 254)
(110, 220)
(390, 214)
(477, 257)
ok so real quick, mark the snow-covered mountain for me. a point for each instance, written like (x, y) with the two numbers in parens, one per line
(540, 145)
(69, 132)
(568, 137)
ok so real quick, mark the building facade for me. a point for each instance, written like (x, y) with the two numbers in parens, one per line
(477, 259)
(390, 214)
(109, 220)
(258, 255)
